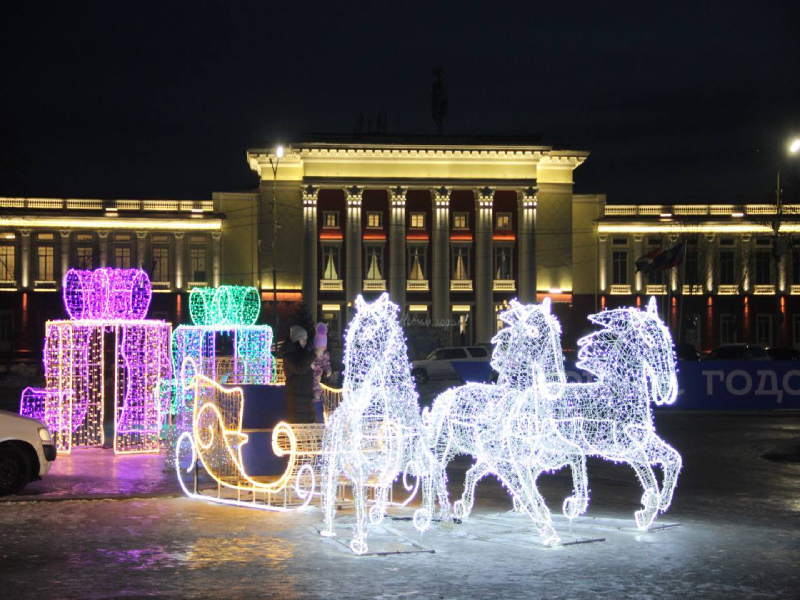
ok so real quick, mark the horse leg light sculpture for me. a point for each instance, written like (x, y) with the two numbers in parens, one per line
(377, 431)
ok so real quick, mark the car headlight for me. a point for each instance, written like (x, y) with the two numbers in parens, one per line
(44, 435)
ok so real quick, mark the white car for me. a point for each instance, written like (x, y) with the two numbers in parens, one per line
(26, 452)
(438, 364)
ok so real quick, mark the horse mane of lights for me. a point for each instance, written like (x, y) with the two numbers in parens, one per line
(533, 422)
(221, 315)
(103, 301)
(376, 433)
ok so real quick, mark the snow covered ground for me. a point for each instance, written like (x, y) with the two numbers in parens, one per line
(738, 535)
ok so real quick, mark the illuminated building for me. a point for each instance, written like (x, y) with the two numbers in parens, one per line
(453, 228)
(730, 284)
(177, 242)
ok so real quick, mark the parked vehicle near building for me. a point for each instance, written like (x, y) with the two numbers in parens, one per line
(738, 352)
(438, 364)
(783, 353)
(26, 452)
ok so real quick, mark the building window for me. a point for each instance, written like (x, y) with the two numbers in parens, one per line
(763, 267)
(503, 267)
(330, 219)
(330, 262)
(8, 256)
(417, 220)
(160, 264)
(691, 265)
(460, 220)
(197, 263)
(122, 257)
(416, 262)
(764, 330)
(46, 270)
(727, 273)
(374, 219)
(727, 329)
(619, 273)
(655, 277)
(374, 256)
(503, 220)
(122, 237)
(460, 265)
(84, 257)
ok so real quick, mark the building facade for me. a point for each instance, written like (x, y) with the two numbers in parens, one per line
(451, 228)
(178, 242)
(740, 278)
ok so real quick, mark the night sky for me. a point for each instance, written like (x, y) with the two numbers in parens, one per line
(113, 99)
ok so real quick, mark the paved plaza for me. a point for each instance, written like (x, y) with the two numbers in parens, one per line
(733, 531)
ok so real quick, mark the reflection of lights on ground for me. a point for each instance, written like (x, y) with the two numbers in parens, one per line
(217, 552)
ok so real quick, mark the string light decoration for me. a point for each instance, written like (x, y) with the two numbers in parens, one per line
(216, 312)
(216, 439)
(532, 421)
(106, 301)
(226, 305)
(500, 425)
(633, 360)
(376, 433)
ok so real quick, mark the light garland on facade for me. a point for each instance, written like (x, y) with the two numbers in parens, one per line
(376, 433)
(99, 302)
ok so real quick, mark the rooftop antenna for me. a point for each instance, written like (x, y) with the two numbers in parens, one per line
(439, 98)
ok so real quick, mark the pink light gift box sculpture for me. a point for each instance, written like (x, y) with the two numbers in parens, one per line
(106, 306)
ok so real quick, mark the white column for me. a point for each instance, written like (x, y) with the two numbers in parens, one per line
(103, 236)
(179, 241)
(526, 261)
(710, 253)
(25, 247)
(440, 259)
(673, 273)
(397, 246)
(64, 256)
(637, 252)
(354, 280)
(310, 242)
(484, 279)
(746, 263)
(602, 255)
(215, 256)
(141, 238)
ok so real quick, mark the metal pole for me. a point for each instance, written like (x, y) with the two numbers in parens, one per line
(776, 255)
(274, 238)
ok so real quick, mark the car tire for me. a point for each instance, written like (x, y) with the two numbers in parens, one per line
(420, 376)
(15, 470)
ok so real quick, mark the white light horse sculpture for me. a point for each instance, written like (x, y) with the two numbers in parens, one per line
(633, 359)
(634, 363)
(507, 427)
(375, 434)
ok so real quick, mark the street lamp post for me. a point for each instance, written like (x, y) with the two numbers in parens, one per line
(274, 165)
(794, 148)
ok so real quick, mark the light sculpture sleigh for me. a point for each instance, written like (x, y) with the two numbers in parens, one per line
(224, 348)
(101, 302)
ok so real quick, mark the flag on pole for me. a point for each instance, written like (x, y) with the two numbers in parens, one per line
(669, 258)
(645, 263)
